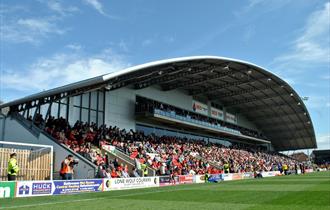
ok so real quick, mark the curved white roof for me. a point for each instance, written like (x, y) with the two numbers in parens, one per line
(275, 97)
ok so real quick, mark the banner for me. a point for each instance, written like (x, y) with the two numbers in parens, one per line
(231, 118)
(215, 178)
(200, 108)
(226, 177)
(77, 186)
(248, 175)
(186, 179)
(7, 189)
(130, 183)
(309, 170)
(236, 176)
(34, 188)
(217, 113)
(199, 179)
(167, 180)
(270, 173)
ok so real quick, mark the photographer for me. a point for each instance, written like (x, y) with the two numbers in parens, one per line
(67, 167)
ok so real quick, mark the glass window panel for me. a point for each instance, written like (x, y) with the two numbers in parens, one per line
(43, 109)
(85, 100)
(54, 110)
(63, 111)
(93, 116)
(93, 100)
(101, 101)
(76, 100)
(74, 116)
(84, 115)
(100, 119)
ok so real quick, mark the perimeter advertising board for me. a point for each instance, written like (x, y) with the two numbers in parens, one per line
(77, 186)
(167, 180)
(7, 189)
(130, 183)
(248, 175)
(34, 188)
(186, 179)
(199, 179)
(270, 173)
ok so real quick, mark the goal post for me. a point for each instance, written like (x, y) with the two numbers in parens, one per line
(34, 160)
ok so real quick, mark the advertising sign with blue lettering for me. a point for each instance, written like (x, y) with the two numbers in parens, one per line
(33, 188)
(77, 186)
(215, 178)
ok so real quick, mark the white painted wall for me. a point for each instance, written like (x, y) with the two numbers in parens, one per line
(120, 105)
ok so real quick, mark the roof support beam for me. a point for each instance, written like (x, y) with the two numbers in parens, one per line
(273, 116)
(277, 124)
(260, 108)
(191, 82)
(283, 130)
(249, 100)
(218, 87)
(171, 76)
(242, 92)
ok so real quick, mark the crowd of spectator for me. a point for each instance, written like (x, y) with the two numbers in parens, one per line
(167, 155)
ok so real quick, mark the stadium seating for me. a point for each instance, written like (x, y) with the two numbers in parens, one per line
(166, 154)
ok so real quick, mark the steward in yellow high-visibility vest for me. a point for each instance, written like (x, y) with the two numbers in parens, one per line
(144, 169)
(12, 167)
(226, 168)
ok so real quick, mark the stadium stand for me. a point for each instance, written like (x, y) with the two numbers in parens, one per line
(165, 154)
(177, 116)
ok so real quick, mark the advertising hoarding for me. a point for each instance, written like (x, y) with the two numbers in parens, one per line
(217, 113)
(231, 118)
(200, 107)
(77, 186)
(7, 189)
(186, 179)
(199, 179)
(34, 188)
(130, 183)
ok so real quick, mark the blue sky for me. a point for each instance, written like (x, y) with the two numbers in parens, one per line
(48, 43)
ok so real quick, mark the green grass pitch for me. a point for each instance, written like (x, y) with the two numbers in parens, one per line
(310, 191)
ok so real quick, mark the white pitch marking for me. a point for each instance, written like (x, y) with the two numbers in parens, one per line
(93, 199)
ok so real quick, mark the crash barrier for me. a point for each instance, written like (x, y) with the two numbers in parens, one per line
(60, 187)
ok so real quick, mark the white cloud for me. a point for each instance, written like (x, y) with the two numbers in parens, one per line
(30, 30)
(313, 46)
(61, 69)
(316, 102)
(323, 141)
(96, 5)
(261, 6)
(147, 42)
(74, 46)
(57, 6)
(326, 77)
